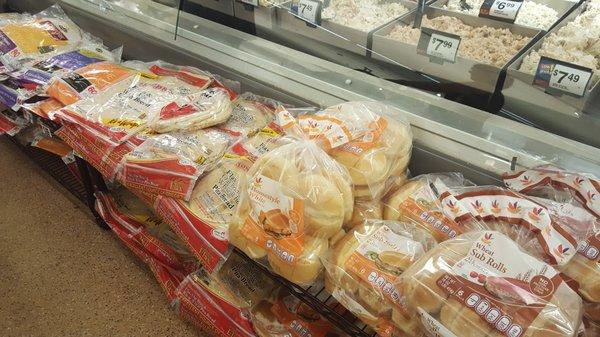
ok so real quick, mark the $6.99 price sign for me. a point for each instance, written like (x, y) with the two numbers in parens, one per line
(505, 10)
(309, 10)
(562, 77)
(438, 44)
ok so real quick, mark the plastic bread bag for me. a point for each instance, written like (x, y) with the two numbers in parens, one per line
(417, 203)
(251, 113)
(170, 164)
(207, 302)
(11, 123)
(482, 284)
(43, 108)
(34, 79)
(297, 199)
(363, 266)
(284, 315)
(43, 35)
(591, 319)
(51, 144)
(367, 138)
(124, 109)
(364, 210)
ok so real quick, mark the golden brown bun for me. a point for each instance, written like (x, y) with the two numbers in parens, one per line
(238, 239)
(340, 253)
(463, 321)
(369, 167)
(392, 209)
(373, 301)
(592, 311)
(587, 273)
(347, 195)
(377, 190)
(364, 210)
(410, 325)
(307, 266)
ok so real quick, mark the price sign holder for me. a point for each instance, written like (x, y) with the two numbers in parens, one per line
(439, 46)
(309, 11)
(501, 10)
(562, 78)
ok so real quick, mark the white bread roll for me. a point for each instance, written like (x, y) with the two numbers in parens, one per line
(587, 273)
(364, 210)
(307, 266)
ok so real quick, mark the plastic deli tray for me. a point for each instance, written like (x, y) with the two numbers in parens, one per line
(331, 33)
(529, 100)
(221, 6)
(461, 70)
(562, 7)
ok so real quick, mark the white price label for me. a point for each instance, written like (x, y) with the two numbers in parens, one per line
(569, 79)
(250, 2)
(505, 9)
(442, 46)
(310, 10)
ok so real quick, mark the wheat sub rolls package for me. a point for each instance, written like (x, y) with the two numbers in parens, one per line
(297, 199)
(368, 139)
(362, 268)
(482, 284)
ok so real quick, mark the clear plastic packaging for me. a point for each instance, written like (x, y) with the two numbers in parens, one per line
(29, 38)
(44, 108)
(363, 266)
(170, 164)
(483, 284)
(11, 123)
(297, 199)
(365, 210)
(417, 203)
(367, 138)
(251, 113)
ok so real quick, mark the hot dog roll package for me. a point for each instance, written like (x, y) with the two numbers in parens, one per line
(483, 284)
(297, 199)
(362, 268)
(417, 203)
(368, 139)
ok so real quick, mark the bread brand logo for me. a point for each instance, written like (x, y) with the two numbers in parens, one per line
(177, 185)
(478, 206)
(496, 207)
(535, 213)
(578, 181)
(525, 180)
(560, 251)
(591, 196)
(487, 238)
(258, 182)
(453, 207)
(514, 207)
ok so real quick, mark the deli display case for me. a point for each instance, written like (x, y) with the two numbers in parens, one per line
(289, 62)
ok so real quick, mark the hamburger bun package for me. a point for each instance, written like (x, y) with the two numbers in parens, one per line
(362, 268)
(365, 210)
(142, 93)
(483, 284)
(367, 138)
(574, 198)
(30, 38)
(417, 203)
(296, 200)
(170, 164)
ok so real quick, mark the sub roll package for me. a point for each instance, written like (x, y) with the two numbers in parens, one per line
(362, 268)
(297, 199)
(577, 197)
(483, 284)
(417, 203)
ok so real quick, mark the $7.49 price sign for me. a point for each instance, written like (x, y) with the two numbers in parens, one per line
(309, 10)
(562, 77)
(438, 45)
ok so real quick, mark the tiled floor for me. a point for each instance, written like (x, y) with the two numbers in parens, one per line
(61, 275)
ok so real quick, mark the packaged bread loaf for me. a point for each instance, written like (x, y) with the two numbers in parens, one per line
(29, 38)
(482, 284)
(368, 139)
(297, 199)
(417, 203)
(363, 266)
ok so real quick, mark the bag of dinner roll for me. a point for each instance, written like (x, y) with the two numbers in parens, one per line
(365, 210)
(368, 139)
(482, 284)
(417, 203)
(362, 268)
(297, 199)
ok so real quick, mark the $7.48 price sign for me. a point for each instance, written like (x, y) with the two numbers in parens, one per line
(438, 44)
(309, 10)
(562, 77)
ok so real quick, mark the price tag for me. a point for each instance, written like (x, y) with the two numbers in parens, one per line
(309, 11)
(503, 10)
(250, 2)
(560, 77)
(440, 46)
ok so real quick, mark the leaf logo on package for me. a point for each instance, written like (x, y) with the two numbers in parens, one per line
(487, 238)
(560, 250)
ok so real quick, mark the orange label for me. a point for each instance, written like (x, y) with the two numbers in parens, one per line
(276, 221)
(331, 131)
(434, 221)
(367, 141)
(299, 319)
